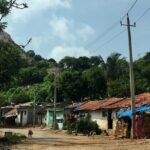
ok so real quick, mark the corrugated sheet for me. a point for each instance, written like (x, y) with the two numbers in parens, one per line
(11, 113)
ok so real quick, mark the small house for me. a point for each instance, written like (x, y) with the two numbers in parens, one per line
(46, 116)
(3, 111)
(27, 114)
(99, 112)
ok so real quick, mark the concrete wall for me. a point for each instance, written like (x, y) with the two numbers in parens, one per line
(101, 120)
(24, 120)
(114, 117)
(42, 117)
(59, 119)
(27, 116)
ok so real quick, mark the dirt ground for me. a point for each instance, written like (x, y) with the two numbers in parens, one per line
(54, 140)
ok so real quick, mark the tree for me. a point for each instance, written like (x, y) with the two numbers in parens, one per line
(10, 63)
(95, 83)
(83, 63)
(31, 53)
(142, 71)
(68, 63)
(5, 8)
(38, 58)
(96, 61)
(31, 75)
(70, 85)
(18, 95)
(116, 67)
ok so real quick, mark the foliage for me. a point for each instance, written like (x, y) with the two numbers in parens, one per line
(12, 139)
(31, 75)
(80, 78)
(17, 95)
(86, 126)
(5, 8)
(95, 83)
(70, 84)
(31, 53)
(10, 61)
(81, 63)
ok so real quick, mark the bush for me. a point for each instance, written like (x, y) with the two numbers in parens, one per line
(71, 126)
(12, 139)
(86, 126)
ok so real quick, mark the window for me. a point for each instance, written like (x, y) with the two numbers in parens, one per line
(104, 113)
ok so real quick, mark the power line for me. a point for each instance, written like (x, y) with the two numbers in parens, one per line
(147, 10)
(102, 35)
(111, 27)
(110, 40)
(132, 6)
(129, 10)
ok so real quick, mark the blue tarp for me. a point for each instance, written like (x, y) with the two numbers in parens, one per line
(127, 113)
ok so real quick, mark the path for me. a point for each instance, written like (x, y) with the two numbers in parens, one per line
(50, 140)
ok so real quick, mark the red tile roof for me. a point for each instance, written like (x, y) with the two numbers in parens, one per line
(94, 105)
(124, 103)
(112, 103)
(106, 102)
(140, 99)
(89, 105)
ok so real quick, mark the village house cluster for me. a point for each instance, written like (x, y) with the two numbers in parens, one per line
(105, 112)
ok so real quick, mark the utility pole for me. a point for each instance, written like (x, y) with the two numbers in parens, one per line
(132, 86)
(55, 98)
(34, 110)
(54, 71)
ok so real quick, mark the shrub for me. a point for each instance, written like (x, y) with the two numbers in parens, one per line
(86, 126)
(12, 139)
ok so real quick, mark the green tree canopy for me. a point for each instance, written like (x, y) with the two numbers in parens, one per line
(10, 63)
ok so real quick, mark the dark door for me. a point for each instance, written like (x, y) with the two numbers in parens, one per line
(110, 121)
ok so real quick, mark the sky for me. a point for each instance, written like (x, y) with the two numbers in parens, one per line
(76, 28)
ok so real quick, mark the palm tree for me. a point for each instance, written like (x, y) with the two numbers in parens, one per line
(114, 68)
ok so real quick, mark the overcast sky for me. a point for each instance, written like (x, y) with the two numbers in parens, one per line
(68, 27)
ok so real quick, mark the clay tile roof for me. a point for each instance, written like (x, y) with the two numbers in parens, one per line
(124, 103)
(112, 103)
(142, 99)
(90, 105)
(106, 102)
(94, 105)
(11, 113)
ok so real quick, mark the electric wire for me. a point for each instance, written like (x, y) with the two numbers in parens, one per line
(111, 27)
(147, 10)
(110, 40)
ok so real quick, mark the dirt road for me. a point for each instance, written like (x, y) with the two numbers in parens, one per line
(50, 140)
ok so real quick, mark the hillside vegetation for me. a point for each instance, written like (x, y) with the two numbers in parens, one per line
(25, 76)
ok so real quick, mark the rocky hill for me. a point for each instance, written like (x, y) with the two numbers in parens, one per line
(5, 37)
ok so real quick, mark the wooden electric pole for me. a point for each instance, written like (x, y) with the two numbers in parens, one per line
(132, 85)
(55, 98)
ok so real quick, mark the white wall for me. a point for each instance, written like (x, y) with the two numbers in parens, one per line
(24, 117)
(102, 121)
(97, 117)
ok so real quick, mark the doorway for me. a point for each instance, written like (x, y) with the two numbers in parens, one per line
(110, 120)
